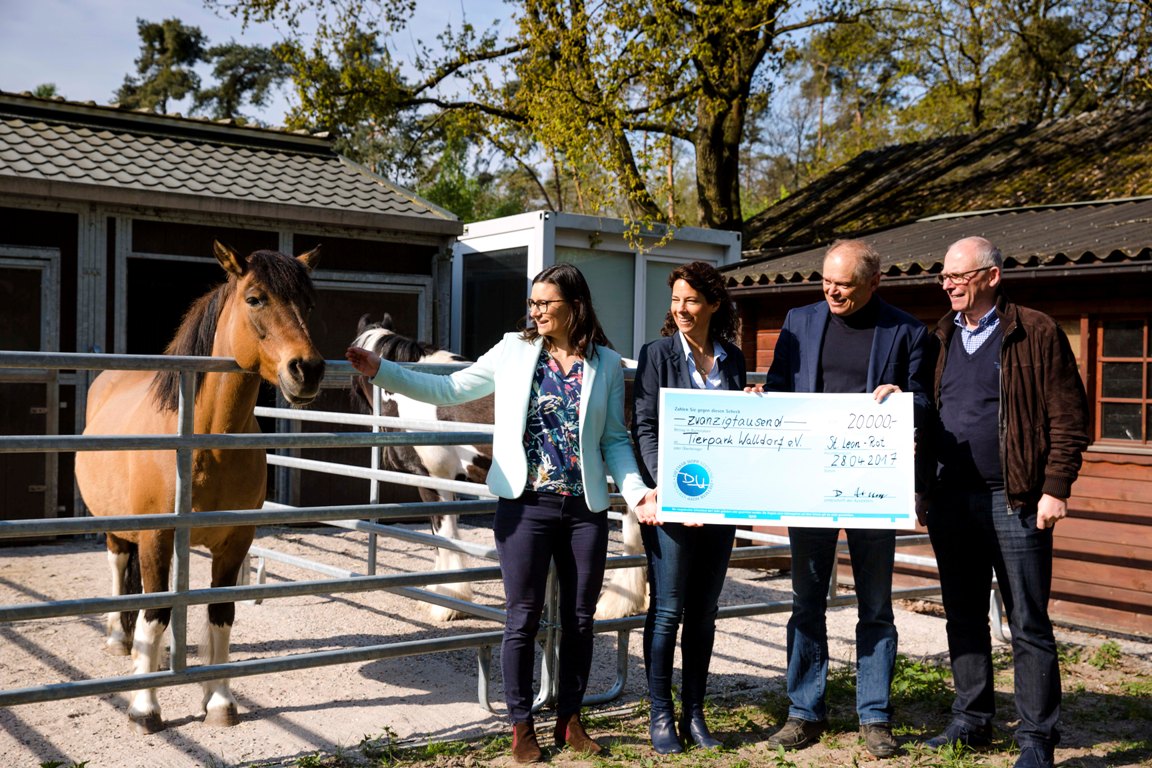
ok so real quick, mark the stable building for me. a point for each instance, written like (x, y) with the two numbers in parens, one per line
(107, 218)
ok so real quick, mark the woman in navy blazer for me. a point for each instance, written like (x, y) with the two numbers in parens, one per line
(559, 432)
(686, 564)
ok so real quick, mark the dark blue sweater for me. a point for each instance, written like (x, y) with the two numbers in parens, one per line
(969, 412)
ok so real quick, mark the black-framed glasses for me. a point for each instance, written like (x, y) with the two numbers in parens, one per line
(960, 278)
(543, 304)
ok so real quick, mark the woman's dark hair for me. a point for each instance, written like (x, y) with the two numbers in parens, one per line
(584, 330)
(702, 276)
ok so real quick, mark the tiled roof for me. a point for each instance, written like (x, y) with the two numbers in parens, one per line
(1100, 155)
(113, 150)
(1041, 239)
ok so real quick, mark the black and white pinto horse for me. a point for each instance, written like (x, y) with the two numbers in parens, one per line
(625, 590)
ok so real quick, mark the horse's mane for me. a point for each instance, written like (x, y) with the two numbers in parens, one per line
(280, 275)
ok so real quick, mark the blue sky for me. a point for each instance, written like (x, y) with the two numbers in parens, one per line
(86, 47)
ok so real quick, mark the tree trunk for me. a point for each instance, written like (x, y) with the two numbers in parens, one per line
(718, 133)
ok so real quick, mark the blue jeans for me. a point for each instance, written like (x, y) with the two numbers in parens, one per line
(813, 559)
(975, 535)
(686, 570)
(531, 532)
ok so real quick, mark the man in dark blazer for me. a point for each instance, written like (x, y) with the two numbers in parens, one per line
(853, 341)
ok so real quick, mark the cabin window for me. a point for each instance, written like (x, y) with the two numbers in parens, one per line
(1124, 380)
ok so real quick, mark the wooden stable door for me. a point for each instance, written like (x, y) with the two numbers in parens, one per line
(28, 398)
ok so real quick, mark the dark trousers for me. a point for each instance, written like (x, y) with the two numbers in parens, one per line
(813, 561)
(531, 532)
(974, 535)
(686, 570)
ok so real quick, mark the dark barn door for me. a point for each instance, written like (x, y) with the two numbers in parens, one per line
(27, 397)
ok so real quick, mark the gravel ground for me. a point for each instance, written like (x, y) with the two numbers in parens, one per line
(289, 715)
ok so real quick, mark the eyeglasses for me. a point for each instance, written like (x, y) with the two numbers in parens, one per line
(960, 278)
(543, 304)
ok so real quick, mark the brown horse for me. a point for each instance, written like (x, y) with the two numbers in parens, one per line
(258, 317)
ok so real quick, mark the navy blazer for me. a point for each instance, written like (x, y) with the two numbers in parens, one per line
(902, 355)
(662, 364)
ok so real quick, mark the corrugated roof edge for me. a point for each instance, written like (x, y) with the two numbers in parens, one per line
(800, 267)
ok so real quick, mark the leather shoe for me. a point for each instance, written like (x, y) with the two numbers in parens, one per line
(1035, 757)
(570, 731)
(693, 730)
(961, 734)
(797, 733)
(878, 739)
(525, 747)
(662, 731)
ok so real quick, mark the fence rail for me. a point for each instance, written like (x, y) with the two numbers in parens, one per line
(370, 518)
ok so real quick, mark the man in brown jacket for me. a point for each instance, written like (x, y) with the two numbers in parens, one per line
(1013, 424)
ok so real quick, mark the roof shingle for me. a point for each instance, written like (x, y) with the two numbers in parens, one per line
(134, 153)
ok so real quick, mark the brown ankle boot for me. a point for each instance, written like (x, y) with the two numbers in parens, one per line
(570, 731)
(525, 747)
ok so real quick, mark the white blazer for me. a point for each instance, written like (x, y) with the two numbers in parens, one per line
(508, 370)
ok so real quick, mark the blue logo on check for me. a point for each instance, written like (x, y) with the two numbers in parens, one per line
(693, 479)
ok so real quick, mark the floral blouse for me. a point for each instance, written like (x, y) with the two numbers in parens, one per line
(552, 434)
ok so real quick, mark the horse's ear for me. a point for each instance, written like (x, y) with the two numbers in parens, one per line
(365, 321)
(228, 258)
(310, 258)
(386, 322)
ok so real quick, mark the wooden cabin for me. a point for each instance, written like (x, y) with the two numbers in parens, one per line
(1088, 264)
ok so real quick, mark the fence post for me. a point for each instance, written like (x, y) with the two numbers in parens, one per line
(182, 536)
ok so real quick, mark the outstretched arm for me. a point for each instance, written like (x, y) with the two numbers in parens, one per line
(363, 360)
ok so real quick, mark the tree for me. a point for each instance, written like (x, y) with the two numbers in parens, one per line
(243, 73)
(600, 92)
(45, 91)
(915, 70)
(168, 52)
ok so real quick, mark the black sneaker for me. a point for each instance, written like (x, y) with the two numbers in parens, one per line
(961, 734)
(797, 733)
(879, 740)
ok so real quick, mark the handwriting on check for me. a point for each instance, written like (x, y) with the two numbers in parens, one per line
(864, 442)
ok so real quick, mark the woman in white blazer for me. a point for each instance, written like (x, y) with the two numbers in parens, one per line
(559, 434)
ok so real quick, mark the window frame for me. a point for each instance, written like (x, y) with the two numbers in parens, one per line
(1099, 361)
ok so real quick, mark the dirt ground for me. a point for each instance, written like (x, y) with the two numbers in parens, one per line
(320, 716)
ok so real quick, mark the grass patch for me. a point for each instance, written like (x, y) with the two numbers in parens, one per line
(921, 682)
(1107, 656)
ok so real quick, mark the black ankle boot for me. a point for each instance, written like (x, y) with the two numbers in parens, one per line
(662, 730)
(693, 730)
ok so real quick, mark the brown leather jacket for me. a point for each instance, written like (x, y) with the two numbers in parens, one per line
(1043, 406)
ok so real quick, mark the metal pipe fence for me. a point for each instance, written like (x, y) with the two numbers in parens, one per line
(371, 518)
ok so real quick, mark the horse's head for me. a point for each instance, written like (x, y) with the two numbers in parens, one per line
(369, 335)
(265, 325)
(382, 339)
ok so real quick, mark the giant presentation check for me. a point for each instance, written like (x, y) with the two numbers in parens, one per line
(820, 460)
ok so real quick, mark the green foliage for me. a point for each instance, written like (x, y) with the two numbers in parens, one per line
(779, 759)
(913, 70)
(45, 91)
(168, 52)
(1140, 687)
(598, 104)
(243, 73)
(165, 72)
(469, 192)
(919, 682)
(1069, 654)
(1106, 656)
